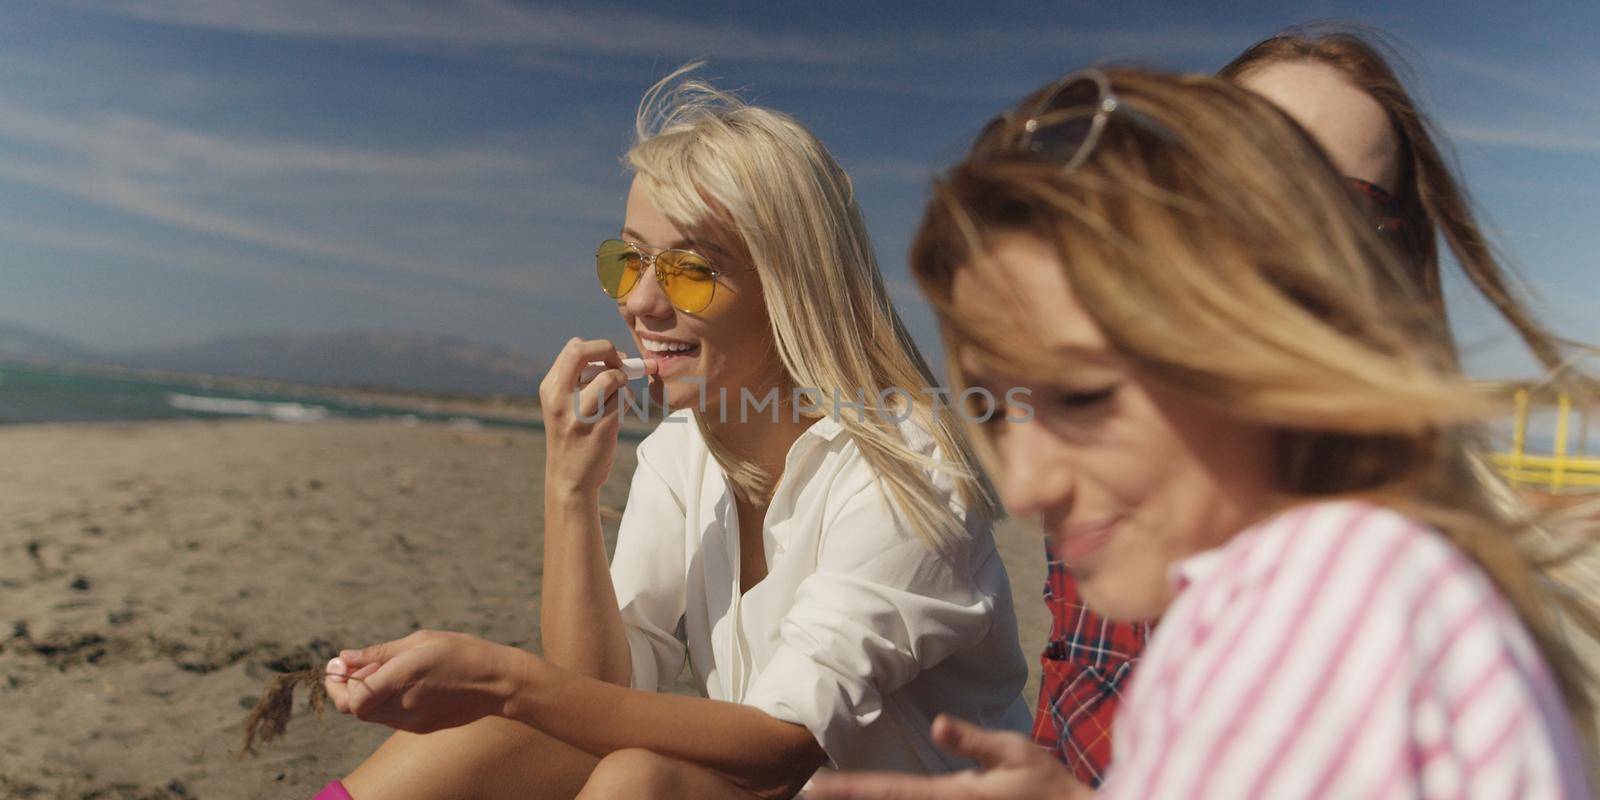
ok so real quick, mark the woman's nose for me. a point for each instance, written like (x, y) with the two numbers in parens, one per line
(1034, 475)
(647, 299)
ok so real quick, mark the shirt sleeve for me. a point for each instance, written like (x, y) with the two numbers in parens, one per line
(647, 573)
(880, 608)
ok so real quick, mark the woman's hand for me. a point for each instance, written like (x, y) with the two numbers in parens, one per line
(425, 682)
(1009, 768)
(581, 430)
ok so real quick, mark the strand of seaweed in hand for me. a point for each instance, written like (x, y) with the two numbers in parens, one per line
(270, 718)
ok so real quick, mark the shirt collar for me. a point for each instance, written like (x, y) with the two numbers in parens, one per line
(1202, 565)
(1195, 568)
(825, 428)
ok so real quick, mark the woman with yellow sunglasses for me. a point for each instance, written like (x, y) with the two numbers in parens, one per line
(807, 532)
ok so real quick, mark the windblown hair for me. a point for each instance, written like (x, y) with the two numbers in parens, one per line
(1433, 204)
(1221, 255)
(764, 191)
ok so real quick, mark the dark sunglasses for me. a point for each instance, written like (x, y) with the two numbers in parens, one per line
(1062, 125)
(1066, 121)
(1380, 204)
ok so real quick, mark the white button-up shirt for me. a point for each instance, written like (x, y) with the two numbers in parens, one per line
(859, 631)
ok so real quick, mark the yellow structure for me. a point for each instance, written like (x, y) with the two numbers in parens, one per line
(1559, 470)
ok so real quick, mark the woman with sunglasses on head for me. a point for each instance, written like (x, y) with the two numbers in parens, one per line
(1340, 87)
(820, 558)
(1249, 428)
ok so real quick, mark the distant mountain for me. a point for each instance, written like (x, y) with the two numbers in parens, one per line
(21, 344)
(394, 359)
(380, 359)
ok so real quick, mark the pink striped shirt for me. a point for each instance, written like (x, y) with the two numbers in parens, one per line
(1341, 650)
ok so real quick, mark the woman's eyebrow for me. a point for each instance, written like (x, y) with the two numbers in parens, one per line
(681, 244)
(1062, 367)
(1088, 354)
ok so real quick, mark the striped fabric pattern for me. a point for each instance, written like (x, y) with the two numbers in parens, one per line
(1341, 650)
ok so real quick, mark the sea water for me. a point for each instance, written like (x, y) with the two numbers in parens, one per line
(44, 393)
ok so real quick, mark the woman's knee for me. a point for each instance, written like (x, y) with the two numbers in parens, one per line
(489, 758)
(633, 773)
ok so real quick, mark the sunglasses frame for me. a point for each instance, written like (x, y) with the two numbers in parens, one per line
(1102, 109)
(1027, 140)
(1390, 219)
(651, 261)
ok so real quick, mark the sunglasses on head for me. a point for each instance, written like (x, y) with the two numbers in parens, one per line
(686, 277)
(1065, 122)
(1062, 125)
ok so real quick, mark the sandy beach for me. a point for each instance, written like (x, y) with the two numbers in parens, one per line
(153, 577)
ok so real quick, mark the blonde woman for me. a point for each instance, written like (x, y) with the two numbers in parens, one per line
(808, 531)
(1338, 84)
(1246, 429)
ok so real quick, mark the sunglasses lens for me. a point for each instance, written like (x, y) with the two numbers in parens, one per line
(617, 264)
(1065, 120)
(993, 136)
(1378, 204)
(688, 280)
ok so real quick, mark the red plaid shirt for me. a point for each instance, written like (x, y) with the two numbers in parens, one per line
(1086, 665)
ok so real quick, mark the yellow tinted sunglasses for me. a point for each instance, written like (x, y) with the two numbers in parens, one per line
(686, 277)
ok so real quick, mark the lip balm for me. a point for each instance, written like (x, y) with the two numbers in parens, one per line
(632, 367)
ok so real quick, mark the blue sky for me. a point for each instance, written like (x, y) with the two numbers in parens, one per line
(174, 169)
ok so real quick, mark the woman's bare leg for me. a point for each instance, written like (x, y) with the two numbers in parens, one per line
(490, 758)
(629, 774)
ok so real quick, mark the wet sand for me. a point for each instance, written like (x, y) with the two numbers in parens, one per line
(154, 576)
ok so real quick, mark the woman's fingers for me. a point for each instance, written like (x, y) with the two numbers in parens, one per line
(337, 687)
(601, 350)
(375, 654)
(339, 678)
(593, 401)
(991, 749)
(563, 375)
(363, 685)
(364, 672)
(372, 686)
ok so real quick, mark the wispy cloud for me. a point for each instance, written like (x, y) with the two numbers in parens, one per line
(902, 66)
(448, 155)
(198, 260)
(1586, 143)
(170, 174)
(123, 194)
(143, 145)
(539, 325)
(1558, 81)
(484, 24)
(541, 34)
(209, 261)
(1541, 102)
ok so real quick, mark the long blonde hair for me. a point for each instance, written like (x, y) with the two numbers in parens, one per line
(760, 185)
(1219, 252)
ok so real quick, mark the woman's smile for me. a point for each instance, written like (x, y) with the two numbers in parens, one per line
(672, 356)
(1079, 543)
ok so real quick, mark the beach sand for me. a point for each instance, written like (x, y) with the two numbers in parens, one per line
(153, 578)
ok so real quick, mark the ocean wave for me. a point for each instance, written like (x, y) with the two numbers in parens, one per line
(282, 412)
